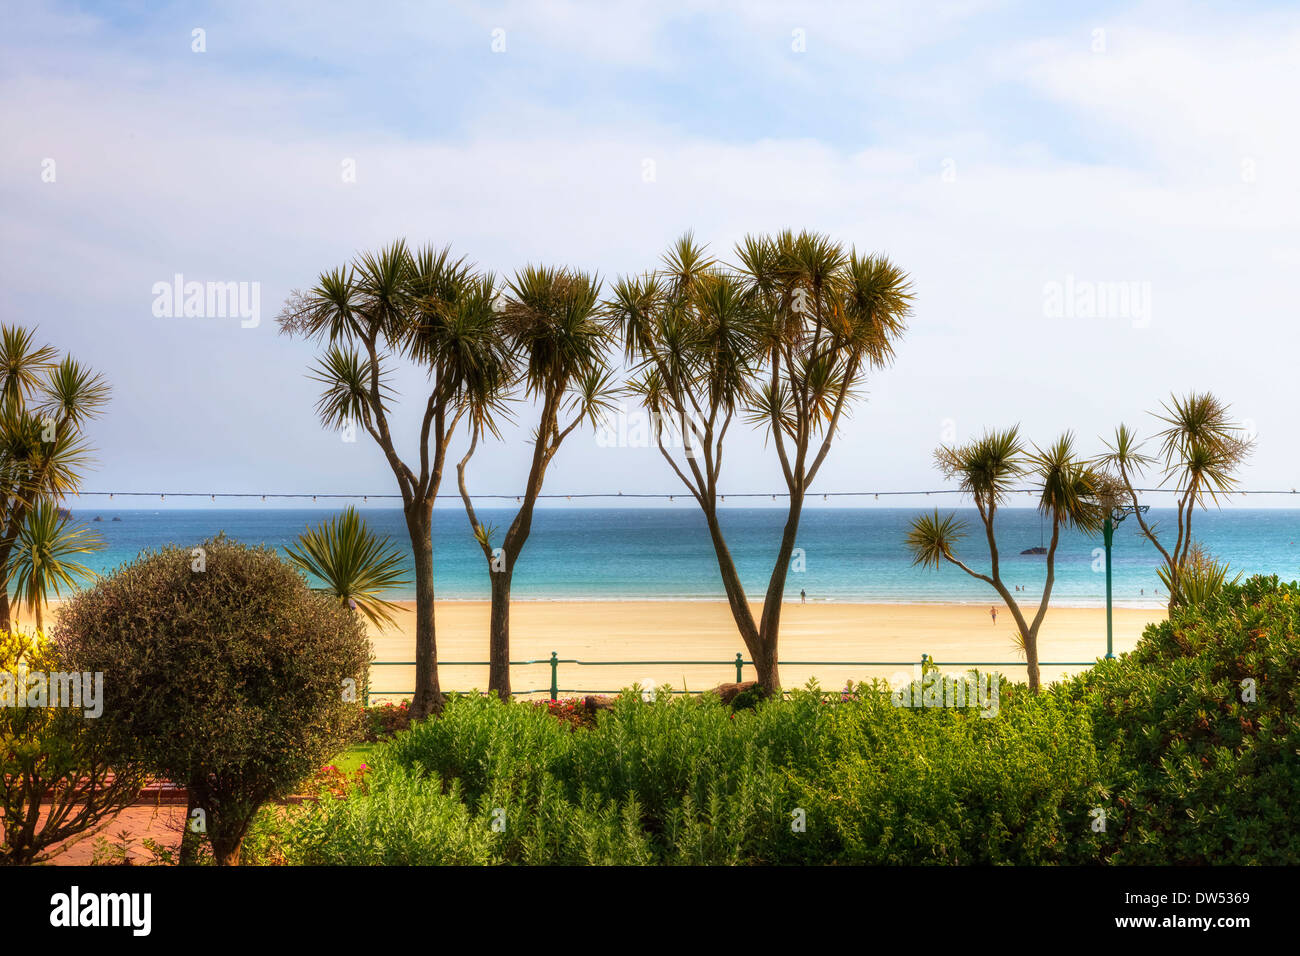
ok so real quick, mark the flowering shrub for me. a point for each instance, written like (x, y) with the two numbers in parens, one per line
(572, 711)
(385, 720)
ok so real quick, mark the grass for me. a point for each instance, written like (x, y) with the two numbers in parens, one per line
(350, 760)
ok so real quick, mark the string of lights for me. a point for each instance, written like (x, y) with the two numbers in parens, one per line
(826, 496)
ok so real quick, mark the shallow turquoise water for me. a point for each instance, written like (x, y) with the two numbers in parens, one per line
(664, 553)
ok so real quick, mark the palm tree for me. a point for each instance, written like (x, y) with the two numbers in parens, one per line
(436, 312)
(39, 564)
(1200, 453)
(785, 339)
(557, 353)
(1072, 493)
(355, 564)
(45, 402)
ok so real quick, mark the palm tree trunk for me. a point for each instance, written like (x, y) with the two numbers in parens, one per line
(428, 695)
(740, 610)
(770, 628)
(499, 635)
(1031, 659)
(6, 611)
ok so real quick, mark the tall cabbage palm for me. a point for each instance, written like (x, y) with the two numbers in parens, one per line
(425, 307)
(557, 357)
(45, 402)
(1072, 493)
(41, 562)
(784, 339)
(1201, 449)
(354, 564)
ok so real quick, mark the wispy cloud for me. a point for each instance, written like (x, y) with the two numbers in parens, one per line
(989, 156)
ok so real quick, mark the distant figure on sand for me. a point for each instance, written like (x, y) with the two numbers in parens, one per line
(803, 596)
(993, 612)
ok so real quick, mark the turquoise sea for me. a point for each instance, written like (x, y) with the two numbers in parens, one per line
(850, 555)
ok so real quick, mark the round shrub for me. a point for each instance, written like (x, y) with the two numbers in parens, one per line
(1203, 723)
(230, 674)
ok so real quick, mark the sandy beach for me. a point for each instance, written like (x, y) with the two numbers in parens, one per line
(702, 630)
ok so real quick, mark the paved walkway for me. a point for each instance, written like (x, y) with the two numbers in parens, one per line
(161, 823)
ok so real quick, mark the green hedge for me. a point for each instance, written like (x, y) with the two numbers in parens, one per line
(1158, 743)
(1205, 774)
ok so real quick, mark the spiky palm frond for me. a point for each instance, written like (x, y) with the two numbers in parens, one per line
(473, 360)
(551, 320)
(1070, 487)
(72, 393)
(685, 262)
(23, 364)
(1203, 447)
(1200, 578)
(1124, 453)
(347, 378)
(329, 311)
(37, 459)
(593, 394)
(353, 562)
(630, 313)
(384, 285)
(39, 565)
(933, 539)
(871, 316)
(811, 259)
(773, 407)
(723, 345)
(988, 467)
(823, 378)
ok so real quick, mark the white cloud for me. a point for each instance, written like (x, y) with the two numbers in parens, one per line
(225, 177)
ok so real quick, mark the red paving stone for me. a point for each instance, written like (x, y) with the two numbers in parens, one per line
(162, 823)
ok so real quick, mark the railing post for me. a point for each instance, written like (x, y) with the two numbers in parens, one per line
(740, 668)
(555, 680)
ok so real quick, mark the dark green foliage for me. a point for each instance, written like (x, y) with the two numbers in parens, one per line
(1205, 774)
(228, 672)
(944, 785)
(685, 781)
(1160, 742)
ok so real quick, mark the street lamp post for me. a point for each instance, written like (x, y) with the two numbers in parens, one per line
(1113, 517)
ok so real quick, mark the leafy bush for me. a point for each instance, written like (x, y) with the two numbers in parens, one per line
(396, 819)
(685, 781)
(947, 785)
(229, 674)
(1165, 746)
(1203, 720)
(486, 745)
(57, 753)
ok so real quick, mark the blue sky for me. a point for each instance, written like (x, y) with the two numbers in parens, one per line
(993, 149)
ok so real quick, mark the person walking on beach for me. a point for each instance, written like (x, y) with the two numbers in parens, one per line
(803, 596)
(993, 612)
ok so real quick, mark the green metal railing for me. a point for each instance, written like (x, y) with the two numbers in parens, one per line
(555, 690)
